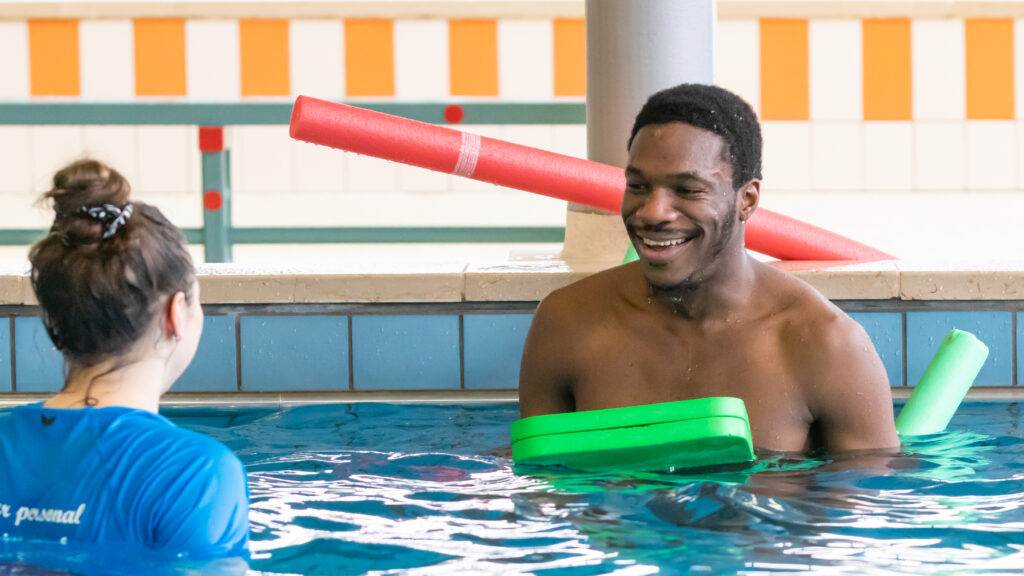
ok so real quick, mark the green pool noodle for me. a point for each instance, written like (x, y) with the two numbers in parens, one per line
(631, 255)
(944, 384)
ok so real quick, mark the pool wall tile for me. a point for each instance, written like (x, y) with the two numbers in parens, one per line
(886, 332)
(493, 349)
(406, 352)
(925, 331)
(214, 367)
(294, 353)
(39, 367)
(5, 355)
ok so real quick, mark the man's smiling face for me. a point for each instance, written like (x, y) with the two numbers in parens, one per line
(680, 206)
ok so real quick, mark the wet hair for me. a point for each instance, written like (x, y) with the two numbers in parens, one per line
(101, 285)
(716, 110)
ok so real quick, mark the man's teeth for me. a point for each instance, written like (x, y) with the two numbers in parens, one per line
(663, 243)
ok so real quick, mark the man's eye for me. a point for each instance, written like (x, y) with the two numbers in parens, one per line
(688, 191)
(635, 187)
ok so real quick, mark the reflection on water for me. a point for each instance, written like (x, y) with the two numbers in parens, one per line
(387, 489)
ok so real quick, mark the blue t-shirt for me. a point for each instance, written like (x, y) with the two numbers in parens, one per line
(120, 475)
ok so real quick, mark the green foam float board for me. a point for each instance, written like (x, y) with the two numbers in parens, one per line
(669, 435)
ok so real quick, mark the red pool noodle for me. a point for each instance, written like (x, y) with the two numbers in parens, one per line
(530, 169)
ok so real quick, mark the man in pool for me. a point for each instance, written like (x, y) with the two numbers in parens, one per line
(698, 316)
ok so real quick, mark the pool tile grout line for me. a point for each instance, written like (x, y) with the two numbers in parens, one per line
(906, 351)
(1013, 348)
(462, 352)
(238, 352)
(351, 357)
(14, 358)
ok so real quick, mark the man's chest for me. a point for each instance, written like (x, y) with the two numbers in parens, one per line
(633, 369)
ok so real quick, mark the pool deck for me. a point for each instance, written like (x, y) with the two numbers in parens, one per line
(530, 280)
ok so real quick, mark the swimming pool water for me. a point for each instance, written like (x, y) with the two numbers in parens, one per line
(425, 489)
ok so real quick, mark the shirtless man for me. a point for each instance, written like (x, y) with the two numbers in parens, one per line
(696, 315)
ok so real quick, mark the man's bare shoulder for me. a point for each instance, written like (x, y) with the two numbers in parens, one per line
(823, 343)
(804, 312)
(841, 377)
(591, 296)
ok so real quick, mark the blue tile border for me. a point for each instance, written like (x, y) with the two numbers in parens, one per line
(471, 347)
(39, 367)
(214, 368)
(406, 352)
(886, 332)
(294, 353)
(493, 349)
(925, 331)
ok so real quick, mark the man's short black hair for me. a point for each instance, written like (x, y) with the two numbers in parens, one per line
(713, 109)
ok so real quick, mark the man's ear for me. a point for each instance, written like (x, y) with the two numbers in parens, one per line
(747, 198)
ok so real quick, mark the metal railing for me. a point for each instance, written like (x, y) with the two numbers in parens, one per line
(218, 235)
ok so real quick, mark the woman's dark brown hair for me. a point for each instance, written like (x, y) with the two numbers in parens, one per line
(99, 294)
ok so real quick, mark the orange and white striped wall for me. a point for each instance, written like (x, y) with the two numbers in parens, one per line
(423, 59)
(893, 103)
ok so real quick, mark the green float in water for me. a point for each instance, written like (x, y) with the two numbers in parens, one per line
(716, 431)
(945, 383)
(683, 434)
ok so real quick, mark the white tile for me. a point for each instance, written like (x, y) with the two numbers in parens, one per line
(193, 158)
(536, 136)
(992, 162)
(212, 59)
(53, 147)
(525, 59)
(317, 58)
(421, 59)
(888, 155)
(571, 140)
(413, 179)
(836, 60)
(738, 59)
(14, 59)
(368, 174)
(1018, 66)
(116, 146)
(107, 58)
(940, 152)
(787, 155)
(165, 159)
(264, 159)
(938, 69)
(182, 211)
(16, 159)
(837, 156)
(316, 168)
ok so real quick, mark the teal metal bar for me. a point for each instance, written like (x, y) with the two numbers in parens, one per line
(349, 235)
(20, 236)
(200, 113)
(397, 235)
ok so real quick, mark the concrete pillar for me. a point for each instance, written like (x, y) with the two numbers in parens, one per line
(634, 49)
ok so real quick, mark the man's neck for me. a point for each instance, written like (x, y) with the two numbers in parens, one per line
(721, 295)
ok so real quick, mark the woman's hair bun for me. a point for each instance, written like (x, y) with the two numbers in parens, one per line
(83, 184)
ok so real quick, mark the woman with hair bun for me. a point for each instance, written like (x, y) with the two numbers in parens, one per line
(95, 462)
